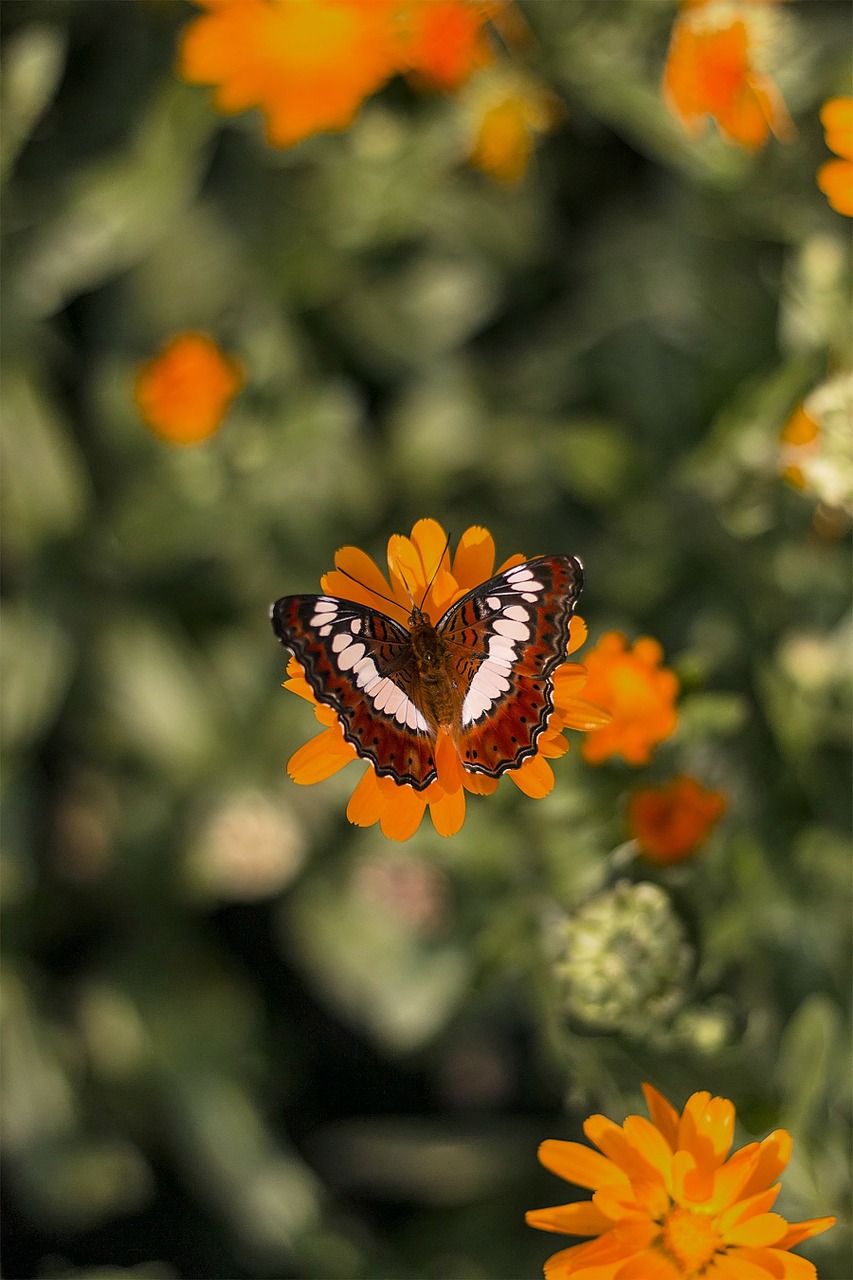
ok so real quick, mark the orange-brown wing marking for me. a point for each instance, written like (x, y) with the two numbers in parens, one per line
(512, 633)
(360, 663)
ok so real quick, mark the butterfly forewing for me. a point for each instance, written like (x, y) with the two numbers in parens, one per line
(507, 637)
(360, 663)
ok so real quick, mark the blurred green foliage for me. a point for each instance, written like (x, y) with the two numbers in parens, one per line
(239, 1036)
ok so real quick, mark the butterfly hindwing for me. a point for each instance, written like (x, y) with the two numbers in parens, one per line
(360, 663)
(510, 635)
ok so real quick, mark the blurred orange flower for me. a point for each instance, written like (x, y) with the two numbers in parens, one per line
(508, 116)
(835, 178)
(669, 822)
(798, 437)
(309, 64)
(639, 694)
(712, 69)
(183, 394)
(399, 809)
(669, 1203)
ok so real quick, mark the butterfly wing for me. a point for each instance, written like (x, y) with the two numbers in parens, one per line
(506, 638)
(360, 663)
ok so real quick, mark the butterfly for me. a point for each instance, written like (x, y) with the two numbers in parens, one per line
(483, 672)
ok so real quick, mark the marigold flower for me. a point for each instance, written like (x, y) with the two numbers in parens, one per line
(669, 1203)
(414, 563)
(309, 64)
(669, 822)
(835, 178)
(815, 444)
(508, 112)
(712, 69)
(183, 394)
(639, 694)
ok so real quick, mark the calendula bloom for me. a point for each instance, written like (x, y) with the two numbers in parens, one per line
(422, 564)
(638, 692)
(508, 112)
(835, 178)
(309, 64)
(815, 453)
(183, 394)
(670, 1203)
(713, 70)
(671, 821)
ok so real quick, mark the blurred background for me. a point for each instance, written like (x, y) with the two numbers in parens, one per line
(241, 1038)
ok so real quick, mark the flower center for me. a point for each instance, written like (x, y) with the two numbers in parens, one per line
(691, 1239)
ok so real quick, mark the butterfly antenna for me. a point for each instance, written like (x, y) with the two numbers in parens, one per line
(435, 574)
(372, 590)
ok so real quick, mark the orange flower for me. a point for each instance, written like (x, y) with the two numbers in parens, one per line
(799, 436)
(509, 112)
(414, 563)
(669, 1203)
(712, 70)
(184, 392)
(309, 64)
(639, 694)
(669, 822)
(835, 178)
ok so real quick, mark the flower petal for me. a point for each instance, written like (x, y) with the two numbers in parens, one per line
(771, 1262)
(448, 764)
(663, 1113)
(649, 1264)
(479, 784)
(798, 1231)
(706, 1129)
(577, 634)
(774, 1154)
(356, 577)
(366, 802)
(579, 1164)
(402, 812)
(764, 1229)
(320, 757)
(474, 560)
(448, 812)
(579, 1219)
(535, 777)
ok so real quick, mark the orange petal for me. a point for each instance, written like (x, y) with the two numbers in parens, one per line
(474, 560)
(707, 1128)
(765, 1229)
(740, 1210)
(836, 116)
(759, 1264)
(479, 784)
(774, 1154)
(798, 1231)
(518, 558)
(577, 634)
(366, 803)
(648, 1141)
(320, 757)
(535, 777)
(649, 1264)
(569, 679)
(402, 812)
(835, 179)
(356, 577)
(579, 1164)
(579, 1219)
(663, 1113)
(552, 745)
(579, 714)
(448, 764)
(448, 812)
(300, 686)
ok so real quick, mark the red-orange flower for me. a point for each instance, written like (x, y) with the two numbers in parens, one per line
(669, 822)
(835, 178)
(183, 393)
(413, 563)
(309, 64)
(712, 70)
(639, 694)
(670, 1203)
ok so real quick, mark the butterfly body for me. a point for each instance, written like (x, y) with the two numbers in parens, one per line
(482, 673)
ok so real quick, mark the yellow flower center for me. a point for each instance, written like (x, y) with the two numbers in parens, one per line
(691, 1239)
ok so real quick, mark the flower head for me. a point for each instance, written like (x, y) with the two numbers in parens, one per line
(669, 822)
(835, 178)
(183, 393)
(508, 112)
(670, 1203)
(637, 691)
(713, 70)
(309, 64)
(815, 444)
(422, 564)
